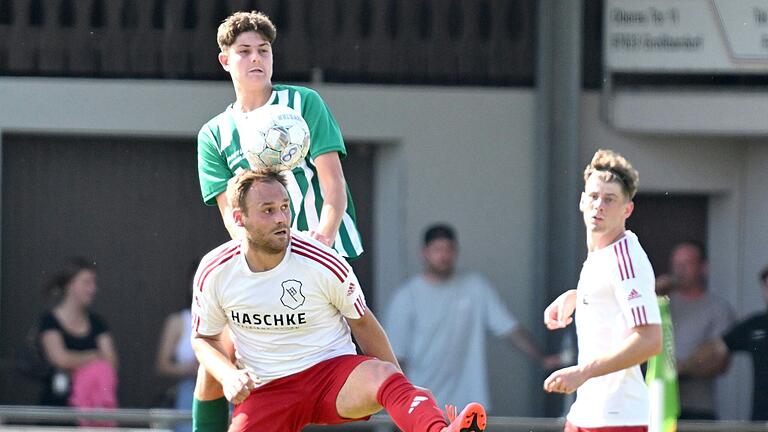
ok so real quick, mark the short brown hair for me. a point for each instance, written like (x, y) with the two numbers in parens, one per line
(243, 22)
(764, 275)
(614, 167)
(240, 185)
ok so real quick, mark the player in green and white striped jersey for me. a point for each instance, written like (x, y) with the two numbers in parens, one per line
(320, 198)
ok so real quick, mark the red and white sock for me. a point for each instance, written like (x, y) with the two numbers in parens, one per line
(412, 409)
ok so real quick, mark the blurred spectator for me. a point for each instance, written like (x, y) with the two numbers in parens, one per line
(748, 335)
(698, 316)
(439, 351)
(76, 342)
(175, 357)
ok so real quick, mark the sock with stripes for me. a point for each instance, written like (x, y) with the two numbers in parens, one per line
(411, 409)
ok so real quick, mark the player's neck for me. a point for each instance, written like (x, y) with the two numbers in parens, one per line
(597, 241)
(260, 260)
(249, 99)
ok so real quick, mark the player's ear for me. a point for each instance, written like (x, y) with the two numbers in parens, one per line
(237, 216)
(224, 60)
(629, 209)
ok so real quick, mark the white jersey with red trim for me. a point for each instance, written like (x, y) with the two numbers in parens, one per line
(616, 292)
(283, 320)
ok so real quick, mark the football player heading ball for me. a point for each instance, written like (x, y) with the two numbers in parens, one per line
(319, 197)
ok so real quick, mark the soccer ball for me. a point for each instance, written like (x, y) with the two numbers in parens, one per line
(274, 136)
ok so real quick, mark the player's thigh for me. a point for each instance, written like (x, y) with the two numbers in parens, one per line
(270, 411)
(357, 397)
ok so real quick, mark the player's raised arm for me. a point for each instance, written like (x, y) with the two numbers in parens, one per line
(333, 187)
(559, 313)
(226, 216)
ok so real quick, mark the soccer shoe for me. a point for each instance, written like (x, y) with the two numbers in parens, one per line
(471, 419)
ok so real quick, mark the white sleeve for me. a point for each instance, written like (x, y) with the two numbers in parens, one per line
(347, 296)
(208, 317)
(635, 286)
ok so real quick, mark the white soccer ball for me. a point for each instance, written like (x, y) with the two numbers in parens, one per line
(274, 136)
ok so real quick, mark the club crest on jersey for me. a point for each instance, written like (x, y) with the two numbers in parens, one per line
(292, 297)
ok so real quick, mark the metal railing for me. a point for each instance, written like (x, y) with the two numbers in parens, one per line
(164, 419)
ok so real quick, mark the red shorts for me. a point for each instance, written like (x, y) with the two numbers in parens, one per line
(569, 427)
(288, 404)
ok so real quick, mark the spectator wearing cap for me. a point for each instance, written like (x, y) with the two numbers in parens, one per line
(438, 350)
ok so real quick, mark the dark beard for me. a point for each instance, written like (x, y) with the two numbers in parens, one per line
(270, 247)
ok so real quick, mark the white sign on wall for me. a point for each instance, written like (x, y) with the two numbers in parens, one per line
(685, 35)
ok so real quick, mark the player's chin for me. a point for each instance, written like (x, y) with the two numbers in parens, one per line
(281, 238)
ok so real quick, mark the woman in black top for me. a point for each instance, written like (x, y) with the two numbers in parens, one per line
(71, 335)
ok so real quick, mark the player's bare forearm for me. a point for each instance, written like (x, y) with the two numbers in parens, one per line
(211, 354)
(372, 339)
(334, 190)
(226, 215)
(236, 384)
(643, 343)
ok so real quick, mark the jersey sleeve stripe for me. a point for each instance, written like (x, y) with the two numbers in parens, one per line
(212, 261)
(618, 261)
(624, 259)
(629, 257)
(319, 260)
(210, 268)
(360, 306)
(331, 257)
(195, 322)
(332, 260)
(639, 316)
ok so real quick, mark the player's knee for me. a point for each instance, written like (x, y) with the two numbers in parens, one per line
(383, 370)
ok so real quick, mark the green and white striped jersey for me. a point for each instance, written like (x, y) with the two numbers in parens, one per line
(219, 157)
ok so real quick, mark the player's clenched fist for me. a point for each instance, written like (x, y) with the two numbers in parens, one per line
(238, 385)
(560, 312)
(565, 380)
